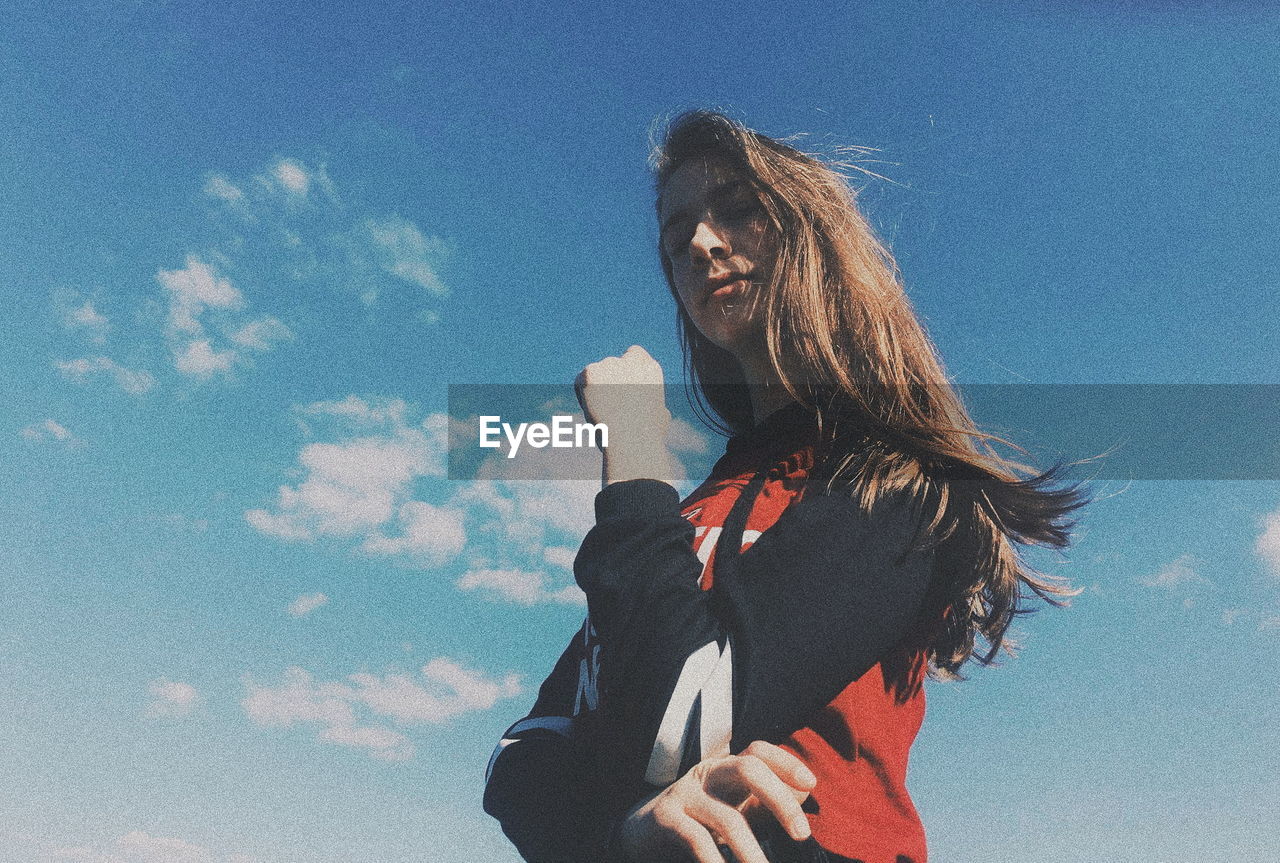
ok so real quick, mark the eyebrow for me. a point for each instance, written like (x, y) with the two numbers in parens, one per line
(717, 193)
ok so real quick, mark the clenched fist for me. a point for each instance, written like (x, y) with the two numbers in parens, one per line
(626, 394)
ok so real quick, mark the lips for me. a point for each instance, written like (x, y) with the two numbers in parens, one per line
(725, 286)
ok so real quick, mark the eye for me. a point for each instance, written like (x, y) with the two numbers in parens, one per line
(743, 211)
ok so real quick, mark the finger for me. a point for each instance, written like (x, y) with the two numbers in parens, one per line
(729, 826)
(786, 765)
(697, 838)
(774, 794)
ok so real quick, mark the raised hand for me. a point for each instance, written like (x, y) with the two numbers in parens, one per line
(626, 394)
(715, 804)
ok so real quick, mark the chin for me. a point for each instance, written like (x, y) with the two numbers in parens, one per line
(729, 335)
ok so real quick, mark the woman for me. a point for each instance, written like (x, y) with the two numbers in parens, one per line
(749, 677)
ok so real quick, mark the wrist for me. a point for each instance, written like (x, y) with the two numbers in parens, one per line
(625, 840)
(637, 459)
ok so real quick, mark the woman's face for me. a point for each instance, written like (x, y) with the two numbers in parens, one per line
(716, 236)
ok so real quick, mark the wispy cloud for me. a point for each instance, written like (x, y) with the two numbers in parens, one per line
(289, 221)
(197, 295)
(79, 314)
(171, 698)
(138, 846)
(49, 430)
(262, 334)
(307, 603)
(1180, 573)
(377, 479)
(521, 586)
(433, 534)
(292, 177)
(1267, 545)
(359, 711)
(132, 381)
(362, 484)
(405, 252)
(219, 187)
(192, 290)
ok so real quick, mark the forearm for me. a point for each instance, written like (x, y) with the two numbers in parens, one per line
(543, 784)
(549, 804)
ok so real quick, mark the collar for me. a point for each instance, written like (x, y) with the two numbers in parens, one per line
(783, 431)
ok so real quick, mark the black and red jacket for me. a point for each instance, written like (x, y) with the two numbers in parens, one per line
(759, 608)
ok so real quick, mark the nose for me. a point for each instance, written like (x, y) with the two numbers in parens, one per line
(709, 243)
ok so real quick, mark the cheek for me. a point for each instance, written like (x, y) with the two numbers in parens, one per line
(685, 288)
(761, 242)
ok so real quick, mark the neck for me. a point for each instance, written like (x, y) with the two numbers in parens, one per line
(767, 392)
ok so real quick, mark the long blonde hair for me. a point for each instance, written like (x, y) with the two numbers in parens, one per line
(843, 338)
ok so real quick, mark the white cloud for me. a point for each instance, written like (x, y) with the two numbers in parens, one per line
(432, 533)
(307, 603)
(1268, 544)
(366, 483)
(351, 488)
(361, 412)
(448, 690)
(198, 359)
(260, 335)
(289, 181)
(137, 846)
(349, 713)
(193, 293)
(172, 698)
(223, 189)
(360, 485)
(192, 290)
(1180, 573)
(289, 224)
(523, 587)
(382, 743)
(85, 317)
(560, 556)
(49, 429)
(292, 177)
(403, 251)
(132, 381)
(161, 849)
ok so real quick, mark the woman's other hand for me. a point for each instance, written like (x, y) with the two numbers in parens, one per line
(715, 804)
(626, 394)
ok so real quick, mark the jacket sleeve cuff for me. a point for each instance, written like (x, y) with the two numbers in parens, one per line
(637, 498)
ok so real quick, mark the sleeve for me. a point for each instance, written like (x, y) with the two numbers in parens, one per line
(541, 784)
(815, 602)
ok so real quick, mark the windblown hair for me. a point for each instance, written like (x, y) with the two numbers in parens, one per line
(843, 338)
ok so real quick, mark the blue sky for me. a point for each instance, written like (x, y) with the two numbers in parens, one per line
(244, 248)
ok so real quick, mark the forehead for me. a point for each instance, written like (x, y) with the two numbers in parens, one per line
(694, 182)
